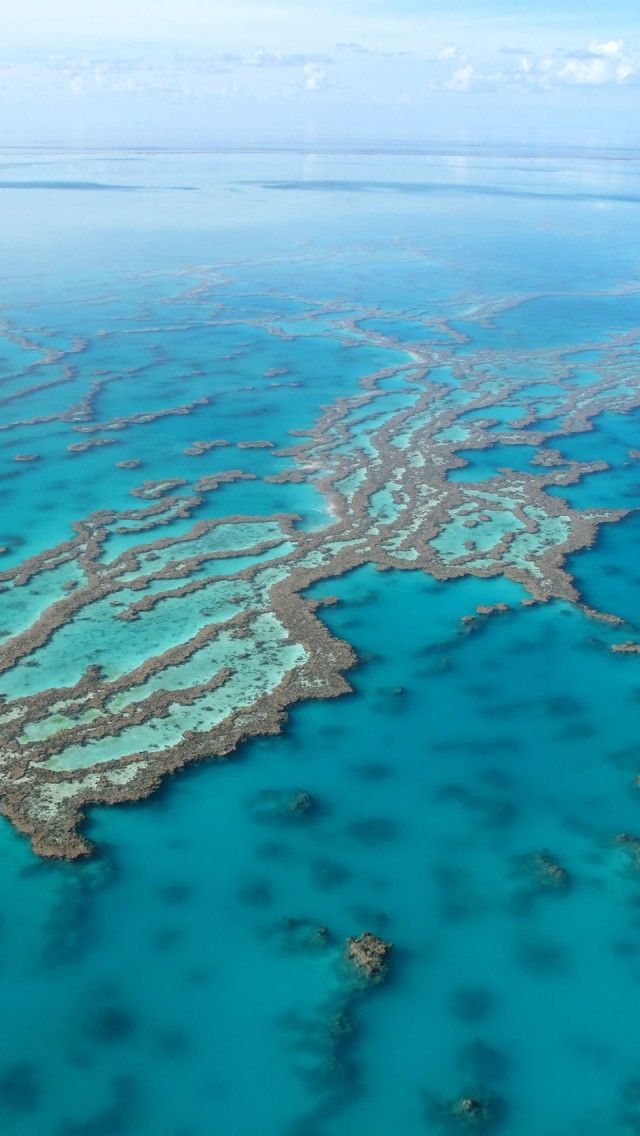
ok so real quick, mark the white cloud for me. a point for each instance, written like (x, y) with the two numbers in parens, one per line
(611, 47)
(315, 76)
(334, 79)
(602, 64)
(611, 63)
(271, 59)
(577, 70)
(461, 79)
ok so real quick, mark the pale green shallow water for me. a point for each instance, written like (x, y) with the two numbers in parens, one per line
(159, 989)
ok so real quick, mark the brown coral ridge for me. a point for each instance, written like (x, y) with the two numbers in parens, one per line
(197, 449)
(90, 444)
(143, 417)
(211, 482)
(159, 487)
(369, 954)
(471, 622)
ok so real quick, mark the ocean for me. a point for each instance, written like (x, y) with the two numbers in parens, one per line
(320, 615)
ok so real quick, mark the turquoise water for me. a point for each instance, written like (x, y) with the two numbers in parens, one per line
(178, 982)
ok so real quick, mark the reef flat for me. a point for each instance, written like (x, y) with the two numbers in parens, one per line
(168, 650)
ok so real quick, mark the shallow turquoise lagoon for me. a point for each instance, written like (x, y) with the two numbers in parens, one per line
(483, 464)
(190, 978)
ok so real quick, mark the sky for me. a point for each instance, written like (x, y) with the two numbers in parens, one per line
(206, 72)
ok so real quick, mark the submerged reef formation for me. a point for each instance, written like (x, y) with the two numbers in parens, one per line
(369, 953)
(470, 1112)
(158, 635)
(631, 846)
(550, 873)
(475, 1113)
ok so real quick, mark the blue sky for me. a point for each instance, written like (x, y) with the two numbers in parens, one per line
(202, 71)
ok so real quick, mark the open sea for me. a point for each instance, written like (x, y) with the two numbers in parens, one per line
(189, 978)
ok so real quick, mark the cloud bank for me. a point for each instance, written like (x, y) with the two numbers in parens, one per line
(418, 70)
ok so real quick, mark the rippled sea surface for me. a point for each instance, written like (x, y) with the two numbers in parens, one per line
(189, 978)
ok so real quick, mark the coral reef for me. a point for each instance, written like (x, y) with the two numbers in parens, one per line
(370, 954)
(472, 1113)
(245, 643)
(549, 872)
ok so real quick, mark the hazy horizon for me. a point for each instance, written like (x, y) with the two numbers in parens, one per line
(149, 75)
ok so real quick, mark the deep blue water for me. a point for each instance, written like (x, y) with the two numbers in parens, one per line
(176, 984)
